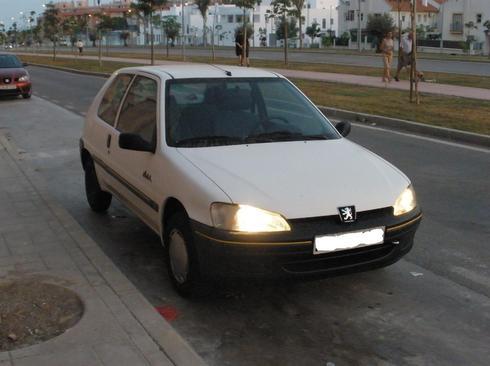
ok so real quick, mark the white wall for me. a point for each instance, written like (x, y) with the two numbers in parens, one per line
(469, 9)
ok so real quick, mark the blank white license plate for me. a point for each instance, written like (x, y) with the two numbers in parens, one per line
(350, 240)
(7, 87)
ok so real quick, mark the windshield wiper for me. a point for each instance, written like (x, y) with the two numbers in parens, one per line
(209, 140)
(283, 136)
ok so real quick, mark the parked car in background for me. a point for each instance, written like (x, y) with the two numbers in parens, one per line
(241, 174)
(14, 78)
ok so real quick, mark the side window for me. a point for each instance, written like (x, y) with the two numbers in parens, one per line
(112, 98)
(139, 111)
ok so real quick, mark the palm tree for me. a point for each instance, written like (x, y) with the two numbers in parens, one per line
(147, 8)
(245, 4)
(282, 9)
(298, 6)
(203, 6)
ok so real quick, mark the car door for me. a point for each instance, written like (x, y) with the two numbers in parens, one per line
(139, 114)
(102, 130)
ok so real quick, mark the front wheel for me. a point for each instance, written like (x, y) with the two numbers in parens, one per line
(98, 200)
(183, 266)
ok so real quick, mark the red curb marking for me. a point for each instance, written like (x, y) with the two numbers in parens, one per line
(168, 312)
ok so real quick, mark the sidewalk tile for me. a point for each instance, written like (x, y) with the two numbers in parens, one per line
(80, 356)
(117, 355)
(158, 359)
(4, 356)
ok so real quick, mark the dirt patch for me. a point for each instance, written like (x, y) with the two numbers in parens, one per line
(32, 312)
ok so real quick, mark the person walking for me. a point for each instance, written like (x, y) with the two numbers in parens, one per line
(405, 54)
(386, 47)
(80, 47)
(241, 50)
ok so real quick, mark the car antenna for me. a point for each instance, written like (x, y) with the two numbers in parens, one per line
(228, 73)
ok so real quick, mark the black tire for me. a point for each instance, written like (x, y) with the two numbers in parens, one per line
(98, 200)
(178, 228)
(26, 96)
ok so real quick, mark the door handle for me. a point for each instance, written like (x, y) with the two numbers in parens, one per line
(108, 142)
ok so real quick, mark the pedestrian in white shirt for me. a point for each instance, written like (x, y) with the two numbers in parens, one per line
(405, 58)
(80, 47)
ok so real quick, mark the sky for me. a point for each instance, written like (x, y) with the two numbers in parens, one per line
(12, 8)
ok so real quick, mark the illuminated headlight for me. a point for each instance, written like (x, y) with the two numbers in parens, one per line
(24, 78)
(246, 218)
(406, 202)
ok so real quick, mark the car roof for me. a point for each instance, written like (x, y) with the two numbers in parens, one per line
(198, 71)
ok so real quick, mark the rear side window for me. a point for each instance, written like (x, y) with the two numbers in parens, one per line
(112, 98)
(139, 111)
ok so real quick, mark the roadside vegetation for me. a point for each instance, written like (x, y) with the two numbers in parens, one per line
(436, 77)
(452, 112)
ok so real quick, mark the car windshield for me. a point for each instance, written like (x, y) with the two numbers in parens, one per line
(214, 112)
(9, 62)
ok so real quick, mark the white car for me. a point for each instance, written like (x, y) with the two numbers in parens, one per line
(240, 174)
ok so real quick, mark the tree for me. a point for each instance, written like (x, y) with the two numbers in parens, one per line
(3, 35)
(291, 27)
(313, 31)
(147, 8)
(171, 27)
(282, 9)
(245, 4)
(379, 25)
(203, 6)
(52, 25)
(298, 9)
(124, 36)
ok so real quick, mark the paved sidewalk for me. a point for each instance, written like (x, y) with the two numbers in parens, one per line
(40, 240)
(424, 87)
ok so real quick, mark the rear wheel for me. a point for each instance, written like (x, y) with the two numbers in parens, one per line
(98, 199)
(26, 96)
(183, 266)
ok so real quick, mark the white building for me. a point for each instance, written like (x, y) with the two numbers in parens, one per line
(349, 11)
(462, 19)
(225, 19)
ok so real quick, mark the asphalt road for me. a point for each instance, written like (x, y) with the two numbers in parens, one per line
(431, 308)
(448, 66)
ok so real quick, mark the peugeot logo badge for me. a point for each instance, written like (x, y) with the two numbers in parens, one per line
(347, 214)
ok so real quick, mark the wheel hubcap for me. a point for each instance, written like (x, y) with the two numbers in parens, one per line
(179, 258)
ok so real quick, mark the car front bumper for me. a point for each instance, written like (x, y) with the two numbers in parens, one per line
(21, 89)
(290, 254)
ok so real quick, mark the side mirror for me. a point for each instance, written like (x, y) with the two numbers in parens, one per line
(131, 141)
(24, 64)
(343, 127)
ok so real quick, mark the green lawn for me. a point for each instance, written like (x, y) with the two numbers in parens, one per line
(436, 77)
(459, 113)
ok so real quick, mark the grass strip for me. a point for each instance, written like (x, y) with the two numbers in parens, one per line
(436, 77)
(451, 112)
(459, 113)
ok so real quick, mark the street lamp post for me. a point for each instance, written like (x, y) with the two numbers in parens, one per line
(99, 31)
(183, 32)
(359, 27)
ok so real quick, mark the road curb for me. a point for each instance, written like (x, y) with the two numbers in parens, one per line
(74, 71)
(409, 126)
(335, 113)
(176, 348)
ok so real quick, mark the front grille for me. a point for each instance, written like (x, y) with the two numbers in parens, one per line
(340, 260)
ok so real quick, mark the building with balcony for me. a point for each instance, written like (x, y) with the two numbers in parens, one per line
(464, 21)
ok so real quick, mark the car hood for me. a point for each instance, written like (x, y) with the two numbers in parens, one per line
(12, 72)
(301, 179)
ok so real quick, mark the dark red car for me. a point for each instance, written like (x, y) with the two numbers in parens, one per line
(14, 78)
